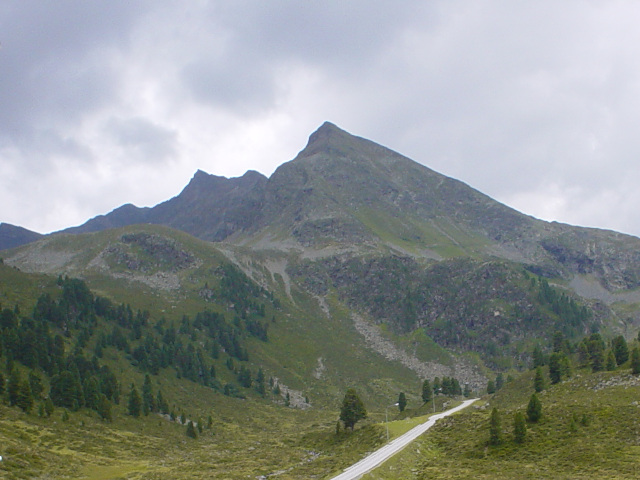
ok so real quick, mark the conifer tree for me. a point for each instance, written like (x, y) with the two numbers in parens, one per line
(161, 404)
(134, 407)
(534, 409)
(427, 392)
(583, 354)
(191, 431)
(620, 349)
(35, 382)
(491, 387)
(519, 427)
(537, 357)
(610, 364)
(24, 399)
(635, 360)
(495, 428)
(103, 408)
(1, 383)
(148, 402)
(402, 401)
(436, 385)
(48, 407)
(555, 367)
(499, 381)
(353, 410)
(13, 386)
(538, 381)
(467, 390)
(261, 386)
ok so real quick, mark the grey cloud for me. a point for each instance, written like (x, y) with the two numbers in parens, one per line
(143, 140)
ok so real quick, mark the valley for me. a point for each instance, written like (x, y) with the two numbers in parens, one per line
(215, 334)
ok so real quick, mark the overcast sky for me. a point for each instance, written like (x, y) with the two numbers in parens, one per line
(535, 103)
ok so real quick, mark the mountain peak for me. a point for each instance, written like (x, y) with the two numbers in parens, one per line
(327, 136)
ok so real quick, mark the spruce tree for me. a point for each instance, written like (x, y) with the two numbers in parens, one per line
(538, 381)
(1, 383)
(13, 386)
(103, 408)
(148, 402)
(191, 430)
(537, 357)
(491, 387)
(635, 360)
(134, 407)
(610, 364)
(402, 401)
(534, 409)
(353, 410)
(555, 367)
(427, 392)
(24, 399)
(436, 385)
(48, 407)
(467, 390)
(620, 349)
(35, 382)
(495, 428)
(261, 386)
(499, 381)
(519, 427)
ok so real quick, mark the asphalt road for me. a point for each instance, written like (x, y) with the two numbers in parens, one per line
(379, 456)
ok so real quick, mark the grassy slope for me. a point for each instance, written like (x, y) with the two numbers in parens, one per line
(249, 437)
(607, 446)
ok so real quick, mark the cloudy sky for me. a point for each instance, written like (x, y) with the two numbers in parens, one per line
(535, 103)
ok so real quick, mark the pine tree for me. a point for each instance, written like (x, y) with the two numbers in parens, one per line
(555, 367)
(427, 392)
(610, 364)
(467, 390)
(261, 386)
(13, 386)
(635, 360)
(436, 385)
(161, 404)
(148, 402)
(134, 407)
(48, 407)
(1, 382)
(103, 408)
(491, 387)
(24, 399)
(538, 357)
(495, 428)
(353, 410)
(583, 354)
(402, 401)
(519, 427)
(534, 409)
(620, 349)
(538, 381)
(191, 431)
(499, 381)
(35, 382)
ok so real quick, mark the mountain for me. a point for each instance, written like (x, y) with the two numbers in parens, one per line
(256, 302)
(209, 207)
(352, 218)
(12, 236)
(346, 192)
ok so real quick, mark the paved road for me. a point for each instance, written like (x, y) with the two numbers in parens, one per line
(379, 456)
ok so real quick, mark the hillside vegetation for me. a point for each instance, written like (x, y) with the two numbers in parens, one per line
(215, 334)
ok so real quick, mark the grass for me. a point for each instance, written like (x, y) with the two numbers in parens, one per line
(590, 429)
